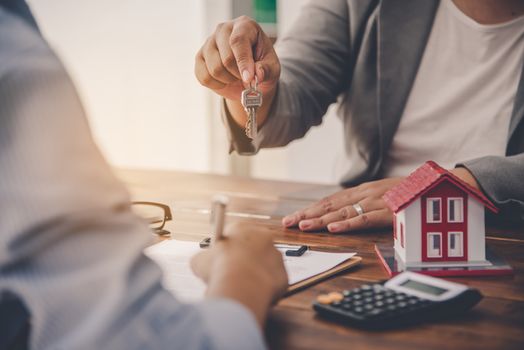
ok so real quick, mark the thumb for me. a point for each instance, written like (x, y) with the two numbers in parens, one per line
(201, 264)
(266, 72)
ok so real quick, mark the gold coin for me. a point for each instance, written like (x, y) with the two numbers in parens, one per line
(324, 299)
(336, 296)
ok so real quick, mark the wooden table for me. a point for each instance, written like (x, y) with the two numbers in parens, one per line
(496, 323)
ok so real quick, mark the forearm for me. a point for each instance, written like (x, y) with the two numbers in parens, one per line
(290, 114)
(90, 287)
(500, 178)
(315, 64)
(466, 176)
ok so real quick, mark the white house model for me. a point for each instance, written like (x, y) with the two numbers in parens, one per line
(438, 219)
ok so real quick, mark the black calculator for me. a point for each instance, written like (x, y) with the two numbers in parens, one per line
(407, 298)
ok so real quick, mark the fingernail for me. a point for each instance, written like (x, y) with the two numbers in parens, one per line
(334, 227)
(288, 221)
(305, 224)
(245, 76)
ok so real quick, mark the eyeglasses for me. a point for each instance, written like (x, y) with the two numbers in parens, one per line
(156, 215)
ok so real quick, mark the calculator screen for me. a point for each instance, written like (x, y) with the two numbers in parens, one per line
(421, 287)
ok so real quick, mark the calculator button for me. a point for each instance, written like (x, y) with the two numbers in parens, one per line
(368, 300)
(402, 305)
(357, 296)
(380, 304)
(391, 307)
(346, 293)
(400, 297)
(358, 310)
(358, 303)
(379, 297)
(366, 287)
(368, 307)
(336, 304)
(390, 300)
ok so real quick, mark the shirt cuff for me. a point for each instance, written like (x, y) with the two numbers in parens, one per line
(238, 141)
(213, 324)
(230, 325)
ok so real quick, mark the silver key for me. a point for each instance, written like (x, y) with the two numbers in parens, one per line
(251, 99)
(251, 124)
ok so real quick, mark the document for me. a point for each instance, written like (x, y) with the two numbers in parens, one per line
(173, 257)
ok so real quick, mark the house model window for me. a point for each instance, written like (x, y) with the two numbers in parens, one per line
(434, 210)
(434, 245)
(455, 244)
(455, 206)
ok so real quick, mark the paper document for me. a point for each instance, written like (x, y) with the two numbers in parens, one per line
(173, 258)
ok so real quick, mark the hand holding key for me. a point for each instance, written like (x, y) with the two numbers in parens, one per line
(230, 59)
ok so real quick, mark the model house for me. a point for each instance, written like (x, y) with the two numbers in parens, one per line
(438, 219)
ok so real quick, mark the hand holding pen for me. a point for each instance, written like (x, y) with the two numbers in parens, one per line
(242, 265)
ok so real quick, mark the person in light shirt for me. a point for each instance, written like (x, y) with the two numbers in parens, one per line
(72, 270)
(415, 81)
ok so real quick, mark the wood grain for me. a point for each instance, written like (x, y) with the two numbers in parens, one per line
(496, 323)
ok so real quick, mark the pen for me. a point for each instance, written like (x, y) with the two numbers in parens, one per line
(218, 211)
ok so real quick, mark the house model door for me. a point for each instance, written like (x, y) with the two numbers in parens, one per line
(444, 223)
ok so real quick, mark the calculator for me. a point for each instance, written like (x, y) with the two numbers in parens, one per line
(406, 299)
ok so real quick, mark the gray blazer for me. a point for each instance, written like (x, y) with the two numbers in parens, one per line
(366, 53)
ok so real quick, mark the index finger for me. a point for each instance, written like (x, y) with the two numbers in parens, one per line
(322, 207)
(244, 37)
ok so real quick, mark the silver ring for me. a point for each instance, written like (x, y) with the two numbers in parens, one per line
(358, 209)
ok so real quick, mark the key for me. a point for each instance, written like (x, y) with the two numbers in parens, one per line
(251, 124)
(251, 100)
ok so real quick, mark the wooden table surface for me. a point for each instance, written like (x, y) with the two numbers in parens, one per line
(497, 322)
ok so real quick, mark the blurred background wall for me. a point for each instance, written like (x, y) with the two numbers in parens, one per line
(132, 62)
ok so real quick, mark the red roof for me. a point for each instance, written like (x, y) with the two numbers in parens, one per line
(427, 176)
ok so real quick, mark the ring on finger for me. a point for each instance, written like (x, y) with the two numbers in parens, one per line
(358, 209)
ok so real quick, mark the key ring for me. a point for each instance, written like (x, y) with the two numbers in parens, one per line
(256, 84)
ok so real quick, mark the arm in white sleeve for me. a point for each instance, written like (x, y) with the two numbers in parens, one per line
(70, 247)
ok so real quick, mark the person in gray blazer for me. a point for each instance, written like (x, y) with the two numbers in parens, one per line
(414, 80)
(72, 271)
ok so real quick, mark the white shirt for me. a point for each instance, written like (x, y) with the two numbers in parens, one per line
(70, 247)
(462, 98)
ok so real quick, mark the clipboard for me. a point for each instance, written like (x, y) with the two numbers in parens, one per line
(342, 267)
(298, 250)
(304, 270)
